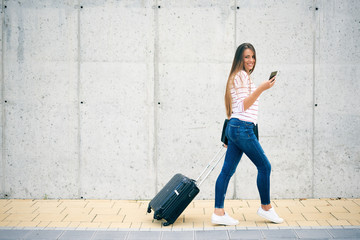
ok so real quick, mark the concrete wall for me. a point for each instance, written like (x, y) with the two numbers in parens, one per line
(109, 99)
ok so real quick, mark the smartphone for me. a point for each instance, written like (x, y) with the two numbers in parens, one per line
(273, 74)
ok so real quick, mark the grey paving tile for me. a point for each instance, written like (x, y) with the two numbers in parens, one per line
(275, 238)
(280, 233)
(77, 235)
(13, 234)
(270, 234)
(313, 233)
(347, 238)
(345, 233)
(44, 234)
(109, 235)
(213, 235)
(316, 238)
(245, 234)
(144, 235)
(185, 235)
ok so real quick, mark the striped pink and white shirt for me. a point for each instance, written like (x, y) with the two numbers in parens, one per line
(239, 92)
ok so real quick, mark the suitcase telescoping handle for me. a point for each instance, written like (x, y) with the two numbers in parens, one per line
(211, 165)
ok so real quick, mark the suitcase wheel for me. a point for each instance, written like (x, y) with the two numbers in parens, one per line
(166, 224)
(149, 209)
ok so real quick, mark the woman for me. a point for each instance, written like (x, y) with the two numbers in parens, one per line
(241, 102)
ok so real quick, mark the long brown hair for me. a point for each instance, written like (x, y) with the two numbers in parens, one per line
(238, 64)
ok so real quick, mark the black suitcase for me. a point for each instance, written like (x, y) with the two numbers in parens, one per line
(173, 198)
(177, 194)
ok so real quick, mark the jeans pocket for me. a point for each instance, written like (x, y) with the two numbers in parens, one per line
(237, 133)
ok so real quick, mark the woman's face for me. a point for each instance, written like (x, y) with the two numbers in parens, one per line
(249, 60)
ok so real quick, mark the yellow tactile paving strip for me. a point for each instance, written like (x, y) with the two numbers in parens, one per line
(124, 214)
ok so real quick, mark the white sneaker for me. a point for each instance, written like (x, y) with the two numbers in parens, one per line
(223, 220)
(270, 215)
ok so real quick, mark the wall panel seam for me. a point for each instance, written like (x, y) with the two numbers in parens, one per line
(235, 47)
(3, 118)
(79, 182)
(156, 90)
(313, 102)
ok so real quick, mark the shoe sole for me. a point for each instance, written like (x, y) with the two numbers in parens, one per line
(219, 223)
(269, 219)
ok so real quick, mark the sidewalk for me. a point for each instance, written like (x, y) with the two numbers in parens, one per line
(132, 215)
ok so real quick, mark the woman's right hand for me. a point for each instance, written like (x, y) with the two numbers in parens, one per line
(268, 84)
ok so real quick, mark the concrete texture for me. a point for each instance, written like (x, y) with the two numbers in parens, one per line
(109, 99)
(40, 146)
(116, 79)
(337, 115)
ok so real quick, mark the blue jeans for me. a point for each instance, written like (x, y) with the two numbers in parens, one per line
(243, 140)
